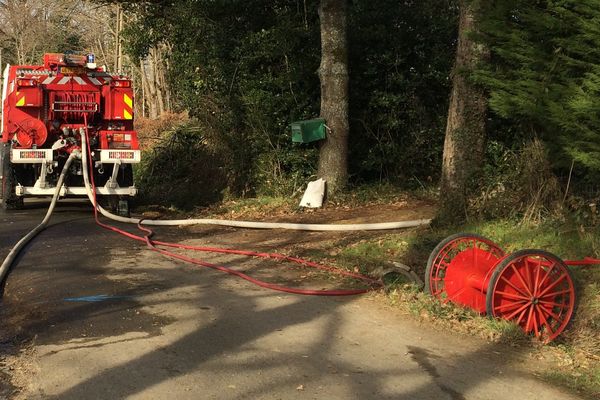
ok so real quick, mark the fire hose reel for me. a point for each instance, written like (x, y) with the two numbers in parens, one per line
(532, 288)
(31, 132)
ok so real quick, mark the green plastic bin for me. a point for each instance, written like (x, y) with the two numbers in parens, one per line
(308, 131)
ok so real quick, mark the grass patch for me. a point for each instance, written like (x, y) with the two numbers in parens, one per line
(369, 254)
(360, 196)
(451, 317)
(376, 193)
(584, 383)
(562, 238)
(256, 206)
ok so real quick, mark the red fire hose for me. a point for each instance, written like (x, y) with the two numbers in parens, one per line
(153, 245)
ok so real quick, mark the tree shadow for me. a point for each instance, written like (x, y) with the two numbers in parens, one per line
(239, 349)
(265, 344)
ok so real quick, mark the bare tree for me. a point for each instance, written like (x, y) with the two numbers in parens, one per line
(98, 30)
(153, 71)
(28, 28)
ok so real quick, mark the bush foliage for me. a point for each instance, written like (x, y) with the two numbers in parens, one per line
(182, 170)
(247, 69)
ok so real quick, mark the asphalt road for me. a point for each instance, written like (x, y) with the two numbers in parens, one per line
(166, 330)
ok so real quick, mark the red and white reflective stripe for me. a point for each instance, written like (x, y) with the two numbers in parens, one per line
(32, 154)
(80, 80)
(33, 72)
(26, 156)
(121, 155)
(124, 156)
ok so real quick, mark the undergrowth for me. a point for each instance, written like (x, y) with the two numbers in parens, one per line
(181, 169)
(585, 383)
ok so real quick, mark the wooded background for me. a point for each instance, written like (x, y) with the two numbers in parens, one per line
(497, 101)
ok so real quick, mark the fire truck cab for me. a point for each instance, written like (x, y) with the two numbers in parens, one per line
(45, 111)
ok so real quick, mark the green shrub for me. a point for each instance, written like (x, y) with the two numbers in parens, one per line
(182, 170)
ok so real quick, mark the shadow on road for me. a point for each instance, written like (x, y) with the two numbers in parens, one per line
(234, 335)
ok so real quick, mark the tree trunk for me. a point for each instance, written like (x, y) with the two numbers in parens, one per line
(151, 91)
(156, 61)
(464, 146)
(154, 82)
(143, 85)
(333, 72)
(118, 43)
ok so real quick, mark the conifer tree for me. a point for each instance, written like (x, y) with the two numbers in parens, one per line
(544, 73)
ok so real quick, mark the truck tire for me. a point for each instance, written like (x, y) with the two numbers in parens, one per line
(8, 199)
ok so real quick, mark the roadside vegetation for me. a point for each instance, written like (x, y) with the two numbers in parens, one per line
(496, 103)
(577, 351)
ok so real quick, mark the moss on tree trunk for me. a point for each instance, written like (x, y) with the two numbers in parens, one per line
(333, 73)
(464, 145)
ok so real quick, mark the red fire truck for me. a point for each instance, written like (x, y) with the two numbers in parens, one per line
(45, 109)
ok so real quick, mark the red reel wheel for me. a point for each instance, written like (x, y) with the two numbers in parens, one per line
(31, 131)
(534, 289)
(456, 259)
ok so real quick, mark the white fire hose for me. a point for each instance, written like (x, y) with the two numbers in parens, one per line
(5, 267)
(245, 224)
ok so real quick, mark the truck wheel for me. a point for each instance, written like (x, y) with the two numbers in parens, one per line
(8, 199)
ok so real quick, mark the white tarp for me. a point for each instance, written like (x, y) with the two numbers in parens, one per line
(313, 196)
